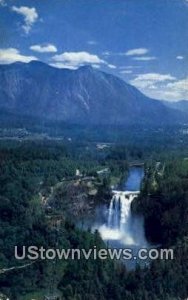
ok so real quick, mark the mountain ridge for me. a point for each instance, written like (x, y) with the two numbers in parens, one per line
(83, 96)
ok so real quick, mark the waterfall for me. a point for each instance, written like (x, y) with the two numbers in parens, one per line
(110, 211)
(118, 222)
(119, 211)
(114, 213)
(125, 211)
(115, 221)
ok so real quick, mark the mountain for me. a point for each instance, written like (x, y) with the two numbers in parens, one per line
(179, 105)
(82, 96)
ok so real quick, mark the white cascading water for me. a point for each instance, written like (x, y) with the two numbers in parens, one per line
(110, 211)
(114, 212)
(125, 211)
(119, 211)
(119, 216)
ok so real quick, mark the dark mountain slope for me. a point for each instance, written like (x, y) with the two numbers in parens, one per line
(83, 96)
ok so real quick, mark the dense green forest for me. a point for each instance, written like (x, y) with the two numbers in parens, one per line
(28, 171)
(164, 201)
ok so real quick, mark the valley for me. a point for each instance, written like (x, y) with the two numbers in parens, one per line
(72, 215)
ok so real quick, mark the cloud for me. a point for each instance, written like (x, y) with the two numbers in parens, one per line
(44, 48)
(132, 52)
(179, 57)
(111, 66)
(172, 91)
(78, 58)
(137, 51)
(129, 67)
(60, 65)
(135, 54)
(106, 53)
(96, 66)
(126, 72)
(162, 86)
(11, 55)
(91, 42)
(149, 80)
(139, 54)
(3, 3)
(30, 16)
(144, 58)
(74, 60)
(178, 89)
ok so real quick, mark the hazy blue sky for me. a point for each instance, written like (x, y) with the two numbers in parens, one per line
(143, 41)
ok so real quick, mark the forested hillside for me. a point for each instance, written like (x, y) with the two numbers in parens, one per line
(30, 168)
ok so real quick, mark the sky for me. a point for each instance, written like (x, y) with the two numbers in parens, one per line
(145, 42)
